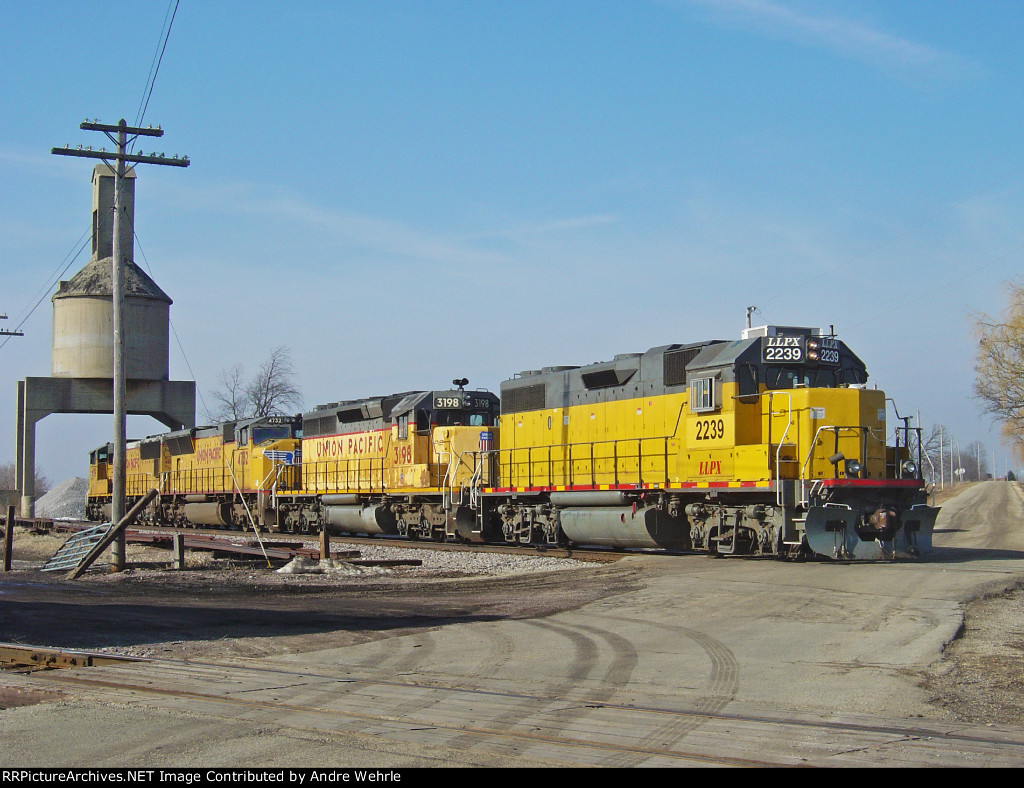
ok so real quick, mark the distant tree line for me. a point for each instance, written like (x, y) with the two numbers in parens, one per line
(946, 460)
(9, 479)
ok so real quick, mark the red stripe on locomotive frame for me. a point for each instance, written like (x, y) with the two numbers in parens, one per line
(871, 482)
(905, 483)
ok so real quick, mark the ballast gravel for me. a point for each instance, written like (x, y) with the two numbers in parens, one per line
(66, 501)
(433, 562)
(150, 565)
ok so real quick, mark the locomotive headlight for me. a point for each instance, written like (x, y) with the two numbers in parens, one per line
(909, 468)
(853, 469)
(813, 346)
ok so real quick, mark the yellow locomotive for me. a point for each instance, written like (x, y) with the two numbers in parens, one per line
(228, 474)
(769, 445)
(406, 464)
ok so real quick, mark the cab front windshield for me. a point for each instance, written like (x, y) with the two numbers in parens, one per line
(776, 377)
(461, 418)
(267, 434)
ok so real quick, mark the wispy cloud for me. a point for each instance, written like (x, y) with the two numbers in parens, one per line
(846, 37)
(348, 230)
(489, 245)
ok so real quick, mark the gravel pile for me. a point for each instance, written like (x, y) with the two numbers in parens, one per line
(450, 563)
(66, 501)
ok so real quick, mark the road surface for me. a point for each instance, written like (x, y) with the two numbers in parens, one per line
(680, 661)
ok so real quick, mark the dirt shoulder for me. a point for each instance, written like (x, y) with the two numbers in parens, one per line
(227, 607)
(981, 675)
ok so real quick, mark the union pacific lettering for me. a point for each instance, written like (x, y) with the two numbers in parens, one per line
(209, 454)
(360, 444)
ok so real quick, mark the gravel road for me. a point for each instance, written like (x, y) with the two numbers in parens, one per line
(228, 610)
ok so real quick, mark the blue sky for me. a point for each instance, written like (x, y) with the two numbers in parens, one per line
(408, 192)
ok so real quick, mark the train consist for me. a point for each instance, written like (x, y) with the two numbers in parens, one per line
(770, 445)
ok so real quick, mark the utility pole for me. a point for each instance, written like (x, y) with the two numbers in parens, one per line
(10, 333)
(942, 462)
(121, 156)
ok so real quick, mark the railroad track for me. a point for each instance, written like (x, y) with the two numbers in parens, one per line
(287, 546)
(565, 728)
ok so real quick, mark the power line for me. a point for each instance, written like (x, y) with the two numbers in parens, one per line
(158, 58)
(73, 255)
(170, 322)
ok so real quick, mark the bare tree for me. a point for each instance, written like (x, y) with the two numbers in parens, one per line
(934, 443)
(9, 479)
(999, 384)
(230, 399)
(272, 390)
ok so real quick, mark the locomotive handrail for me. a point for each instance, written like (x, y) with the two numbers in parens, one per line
(782, 440)
(340, 474)
(247, 511)
(438, 445)
(834, 428)
(455, 461)
(522, 469)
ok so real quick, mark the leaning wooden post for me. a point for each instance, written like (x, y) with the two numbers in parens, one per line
(8, 538)
(112, 534)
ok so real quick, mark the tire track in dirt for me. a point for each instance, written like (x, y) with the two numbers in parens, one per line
(722, 686)
(586, 653)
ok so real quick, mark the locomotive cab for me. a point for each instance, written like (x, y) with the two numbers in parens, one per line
(97, 505)
(778, 404)
(437, 436)
(795, 411)
(267, 450)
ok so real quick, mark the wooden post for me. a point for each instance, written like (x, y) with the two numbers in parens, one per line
(325, 545)
(8, 538)
(178, 551)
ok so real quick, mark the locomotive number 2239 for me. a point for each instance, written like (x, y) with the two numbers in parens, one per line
(710, 429)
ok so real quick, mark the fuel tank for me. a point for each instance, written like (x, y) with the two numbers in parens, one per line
(622, 526)
(376, 520)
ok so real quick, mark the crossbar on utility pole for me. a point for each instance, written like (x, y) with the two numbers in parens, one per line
(10, 333)
(121, 156)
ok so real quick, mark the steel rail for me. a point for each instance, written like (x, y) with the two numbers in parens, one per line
(945, 731)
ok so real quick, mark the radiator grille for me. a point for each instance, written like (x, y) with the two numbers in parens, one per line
(523, 398)
(675, 365)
